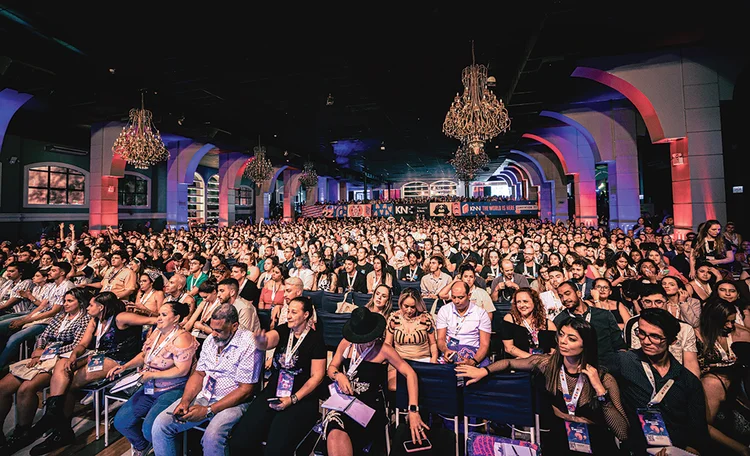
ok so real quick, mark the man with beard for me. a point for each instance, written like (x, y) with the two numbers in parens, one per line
(81, 273)
(507, 283)
(464, 253)
(529, 268)
(247, 315)
(219, 389)
(411, 272)
(578, 277)
(608, 334)
(350, 279)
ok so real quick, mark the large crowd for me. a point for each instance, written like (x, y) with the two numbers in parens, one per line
(637, 340)
(423, 200)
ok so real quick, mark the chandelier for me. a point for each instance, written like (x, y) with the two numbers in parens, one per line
(259, 168)
(309, 177)
(139, 142)
(476, 116)
(467, 162)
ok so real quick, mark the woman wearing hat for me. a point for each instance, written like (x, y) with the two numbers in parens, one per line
(359, 368)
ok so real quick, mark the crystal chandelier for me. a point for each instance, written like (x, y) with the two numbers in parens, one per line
(259, 168)
(140, 143)
(467, 162)
(476, 116)
(309, 177)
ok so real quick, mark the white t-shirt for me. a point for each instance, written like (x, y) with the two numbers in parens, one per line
(464, 328)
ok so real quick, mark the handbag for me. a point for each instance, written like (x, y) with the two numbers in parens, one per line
(21, 370)
(345, 306)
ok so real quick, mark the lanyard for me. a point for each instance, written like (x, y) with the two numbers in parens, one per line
(534, 333)
(101, 331)
(209, 309)
(495, 271)
(145, 298)
(350, 280)
(156, 349)
(726, 357)
(111, 278)
(274, 290)
(290, 351)
(571, 401)
(656, 398)
(355, 361)
(377, 282)
(460, 324)
(412, 274)
(65, 322)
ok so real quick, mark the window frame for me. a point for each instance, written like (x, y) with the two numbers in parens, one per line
(148, 192)
(421, 184)
(251, 198)
(28, 168)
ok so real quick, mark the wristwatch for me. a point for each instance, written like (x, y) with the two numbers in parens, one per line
(414, 408)
(604, 397)
(209, 412)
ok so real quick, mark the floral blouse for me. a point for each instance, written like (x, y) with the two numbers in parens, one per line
(166, 358)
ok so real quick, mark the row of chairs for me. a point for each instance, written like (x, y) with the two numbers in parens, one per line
(504, 398)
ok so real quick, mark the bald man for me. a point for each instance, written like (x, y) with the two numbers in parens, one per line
(507, 282)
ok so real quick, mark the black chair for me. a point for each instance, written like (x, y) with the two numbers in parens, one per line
(408, 284)
(315, 296)
(438, 392)
(503, 398)
(361, 299)
(264, 315)
(332, 325)
(329, 301)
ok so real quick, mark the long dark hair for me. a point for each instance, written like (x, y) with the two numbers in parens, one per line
(111, 303)
(713, 317)
(589, 356)
(699, 244)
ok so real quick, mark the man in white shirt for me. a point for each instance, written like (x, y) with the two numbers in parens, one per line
(436, 280)
(463, 329)
(248, 316)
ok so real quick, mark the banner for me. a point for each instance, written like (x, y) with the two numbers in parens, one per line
(495, 209)
(359, 210)
(334, 211)
(442, 209)
(382, 210)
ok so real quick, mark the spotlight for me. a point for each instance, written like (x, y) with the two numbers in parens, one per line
(181, 120)
(112, 71)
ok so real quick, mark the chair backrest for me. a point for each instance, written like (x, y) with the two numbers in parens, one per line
(332, 325)
(408, 284)
(438, 391)
(264, 315)
(502, 398)
(315, 296)
(361, 299)
(329, 301)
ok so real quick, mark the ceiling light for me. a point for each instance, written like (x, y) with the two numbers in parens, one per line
(181, 120)
(140, 143)
(112, 71)
(382, 147)
(329, 100)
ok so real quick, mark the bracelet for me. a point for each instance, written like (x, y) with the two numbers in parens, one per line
(488, 370)
(476, 363)
(294, 399)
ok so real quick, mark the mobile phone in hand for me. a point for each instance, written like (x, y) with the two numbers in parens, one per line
(412, 447)
(273, 401)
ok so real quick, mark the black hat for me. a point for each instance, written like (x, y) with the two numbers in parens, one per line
(364, 326)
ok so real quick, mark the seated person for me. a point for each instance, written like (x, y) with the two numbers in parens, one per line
(359, 369)
(165, 363)
(524, 324)
(28, 377)
(112, 337)
(297, 370)
(463, 329)
(477, 296)
(217, 391)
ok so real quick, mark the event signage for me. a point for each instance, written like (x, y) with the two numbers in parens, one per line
(437, 210)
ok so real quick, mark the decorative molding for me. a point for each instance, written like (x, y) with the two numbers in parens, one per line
(70, 217)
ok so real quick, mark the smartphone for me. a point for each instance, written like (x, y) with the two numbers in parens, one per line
(273, 401)
(411, 447)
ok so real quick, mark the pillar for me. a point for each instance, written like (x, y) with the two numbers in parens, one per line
(104, 171)
(184, 157)
(231, 167)
(343, 191)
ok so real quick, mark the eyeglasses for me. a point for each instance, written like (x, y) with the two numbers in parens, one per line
(654, 338)
(657, 303)
(602, 287)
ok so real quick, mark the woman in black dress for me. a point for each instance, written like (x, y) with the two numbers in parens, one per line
(579, 392)
(288, 407)
(523, 325)
(359, 368)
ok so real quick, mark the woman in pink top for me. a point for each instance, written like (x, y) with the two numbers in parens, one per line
(165, 364)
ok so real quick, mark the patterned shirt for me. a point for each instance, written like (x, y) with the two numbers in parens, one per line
(239, 362)
(23, 305)
(57, 294)
(70, 335)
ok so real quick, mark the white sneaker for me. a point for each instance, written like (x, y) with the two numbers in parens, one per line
(88, 399)
(143, 452)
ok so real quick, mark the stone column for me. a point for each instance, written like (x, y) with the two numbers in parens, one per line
(105, 170)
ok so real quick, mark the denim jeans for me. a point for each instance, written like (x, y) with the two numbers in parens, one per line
(136, 417)
(14, 341)
(166, 429)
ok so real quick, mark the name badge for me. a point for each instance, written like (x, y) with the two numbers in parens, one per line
(210, 387)
(50, 352)
(578, 437)
(536, 351)
(149, 388)
(452, 343)
(96, 363)
(285, 384)
(654, 429)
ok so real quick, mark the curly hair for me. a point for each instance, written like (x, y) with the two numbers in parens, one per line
(538, 315)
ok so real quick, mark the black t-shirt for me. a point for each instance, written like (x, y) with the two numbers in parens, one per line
(364, 269)
(311, 348)
(459, 257)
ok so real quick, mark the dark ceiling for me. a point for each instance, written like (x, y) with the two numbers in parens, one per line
(227, 75)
